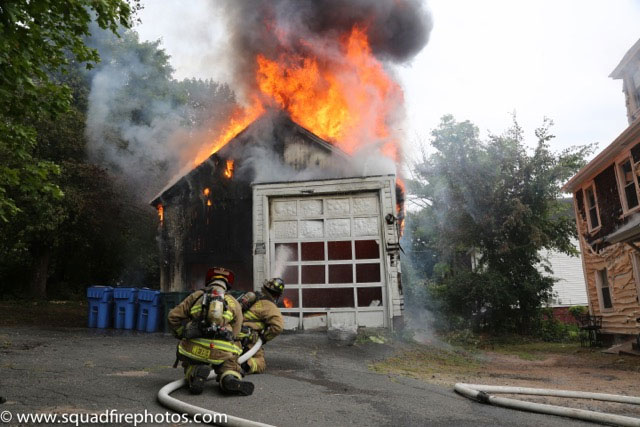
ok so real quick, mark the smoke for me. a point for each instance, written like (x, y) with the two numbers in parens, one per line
(260, 162)
(397, 30)
(141, 123)
(283, 255)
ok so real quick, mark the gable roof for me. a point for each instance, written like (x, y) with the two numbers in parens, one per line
(279, 119)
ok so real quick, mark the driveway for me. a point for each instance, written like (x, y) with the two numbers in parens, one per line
(310, 381)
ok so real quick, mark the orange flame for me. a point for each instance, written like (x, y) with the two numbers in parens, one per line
(209, 202)
(228, 172)
(287, 303)
(206, 191)
(160, 212)
(347, 100)
(240, 119)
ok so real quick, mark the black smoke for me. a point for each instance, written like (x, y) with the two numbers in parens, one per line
(397, 29)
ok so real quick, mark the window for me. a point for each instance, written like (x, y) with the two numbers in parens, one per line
(635, 258)
(591, 204)
(604, 292)
(628, 182)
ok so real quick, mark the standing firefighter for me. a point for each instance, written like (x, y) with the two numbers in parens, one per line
(262, 319)
(206, 323)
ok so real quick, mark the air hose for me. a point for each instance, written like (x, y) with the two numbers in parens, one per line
(179, 406)
(481, 392)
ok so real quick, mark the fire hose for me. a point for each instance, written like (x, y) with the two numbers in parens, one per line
(481, 392)
(179, 406)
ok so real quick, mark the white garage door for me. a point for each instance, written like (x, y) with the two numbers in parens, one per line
(328, 251)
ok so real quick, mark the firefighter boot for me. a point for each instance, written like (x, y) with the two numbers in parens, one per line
(232, 383)
(196, 377)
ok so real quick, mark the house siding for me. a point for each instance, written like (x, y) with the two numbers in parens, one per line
(570, 289)
(616, 258)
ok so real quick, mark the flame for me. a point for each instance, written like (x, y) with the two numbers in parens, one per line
(160, 212)
(287, 302)
(240, 119)
(347, 101)
(228, 172)
(347, 98)
(209, 202)
(206, 191)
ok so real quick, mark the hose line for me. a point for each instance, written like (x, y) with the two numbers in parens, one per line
(481, 392)
(179, 406)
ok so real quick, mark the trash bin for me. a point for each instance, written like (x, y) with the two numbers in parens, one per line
(100, 299)
(170, 300)
(149, 309)
(124, 313)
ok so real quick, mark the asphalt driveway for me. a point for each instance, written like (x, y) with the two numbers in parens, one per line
(310, 381)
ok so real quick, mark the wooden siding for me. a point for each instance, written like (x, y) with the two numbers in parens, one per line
(621, 318)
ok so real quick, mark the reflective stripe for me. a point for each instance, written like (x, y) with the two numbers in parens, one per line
(253, 365)
(228, 315)
(197, 308)
(249, 315)
(217, 344)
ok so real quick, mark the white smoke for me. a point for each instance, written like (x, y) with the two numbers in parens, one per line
(143, 125)
(283, 255)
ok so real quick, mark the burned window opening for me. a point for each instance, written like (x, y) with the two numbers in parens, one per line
(328, 297)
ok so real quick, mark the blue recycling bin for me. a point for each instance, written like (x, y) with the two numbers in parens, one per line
(125, 304)
(100, 300)
(149, 310)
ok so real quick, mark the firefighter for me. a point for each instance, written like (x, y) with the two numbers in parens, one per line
(206, 323)
(262, 319)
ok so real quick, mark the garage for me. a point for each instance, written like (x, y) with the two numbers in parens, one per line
(329, 240)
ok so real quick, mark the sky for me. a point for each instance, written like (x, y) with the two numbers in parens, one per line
(485, 60)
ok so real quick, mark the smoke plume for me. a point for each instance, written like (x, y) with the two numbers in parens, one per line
(397, 30)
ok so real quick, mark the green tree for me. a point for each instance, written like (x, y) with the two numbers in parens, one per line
(38, 38)
(488, 209)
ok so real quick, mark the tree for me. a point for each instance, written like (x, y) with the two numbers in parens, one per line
(37, 39)
(488, 209)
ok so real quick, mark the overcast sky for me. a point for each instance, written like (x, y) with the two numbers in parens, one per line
(485, 60)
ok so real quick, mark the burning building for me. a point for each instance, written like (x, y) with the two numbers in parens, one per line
(301, 183)
(333, 237)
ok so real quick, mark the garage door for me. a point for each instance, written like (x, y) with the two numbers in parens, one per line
(328, 251)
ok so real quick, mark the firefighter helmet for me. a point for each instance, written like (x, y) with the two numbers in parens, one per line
(275, 286)
(219, 273)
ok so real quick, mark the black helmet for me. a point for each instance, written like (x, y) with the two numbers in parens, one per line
(275, 286)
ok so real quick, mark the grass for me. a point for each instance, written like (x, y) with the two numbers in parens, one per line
(426, 362)
(43, 313)
(481, 358)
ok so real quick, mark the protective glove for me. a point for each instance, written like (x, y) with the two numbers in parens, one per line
(178, 332)
(192, 330)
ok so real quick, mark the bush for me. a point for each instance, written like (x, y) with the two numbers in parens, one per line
(577, 311)
(551, 330)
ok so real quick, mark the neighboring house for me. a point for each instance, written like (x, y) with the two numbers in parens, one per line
(570, 289)
(607, 202)
(277, 200)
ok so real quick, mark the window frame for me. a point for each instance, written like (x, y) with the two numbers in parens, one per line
(635, 263)
(620, 181)
(598, 276)
(591, 185)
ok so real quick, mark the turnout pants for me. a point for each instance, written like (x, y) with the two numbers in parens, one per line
(257, 364)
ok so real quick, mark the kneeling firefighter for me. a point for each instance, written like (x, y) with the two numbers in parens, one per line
(206, 323)
(262, 319)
